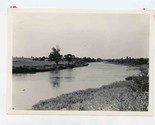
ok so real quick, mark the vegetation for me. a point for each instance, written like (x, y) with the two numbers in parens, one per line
(70, 58)
(88, 59)
(38, 59)
(129, 61)
(118, 96)
(141, 82)
(23, 70)
(39, 64)
(27, 69)
(43, 58)
(55, 55)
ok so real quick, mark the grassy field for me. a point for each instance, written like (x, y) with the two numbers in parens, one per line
(34, 63)
(118, 96)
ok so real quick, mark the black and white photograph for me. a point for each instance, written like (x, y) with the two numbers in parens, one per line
(70, 60)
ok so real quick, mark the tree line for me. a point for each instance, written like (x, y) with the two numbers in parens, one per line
(129, 61)
(56, 56)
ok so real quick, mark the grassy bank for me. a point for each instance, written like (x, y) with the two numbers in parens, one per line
(40, 66)
(118, 96)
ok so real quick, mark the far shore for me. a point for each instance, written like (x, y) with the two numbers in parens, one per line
(117, 96)
(42, 66)
(27, 65)
(137, 62)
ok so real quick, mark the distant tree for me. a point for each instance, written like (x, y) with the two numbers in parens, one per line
(35, 59)
(77, 58)
(69, 58)
(99, 59)
(84, 59)
(143, 61)
(55, 55)
(93, 60)
(42, 58)
(73, 58)
(88, 59)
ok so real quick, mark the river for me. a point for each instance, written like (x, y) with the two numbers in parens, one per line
(28, 89)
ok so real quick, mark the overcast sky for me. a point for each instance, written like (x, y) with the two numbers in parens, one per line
(82, 34)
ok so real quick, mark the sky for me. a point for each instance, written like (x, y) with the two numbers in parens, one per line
(96, 35)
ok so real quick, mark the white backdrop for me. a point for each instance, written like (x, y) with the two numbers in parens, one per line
(62, 120)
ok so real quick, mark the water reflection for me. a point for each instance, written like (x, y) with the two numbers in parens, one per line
(69, 76)
(59, 76)
(21, 75)
(55, 78)
(128, 68)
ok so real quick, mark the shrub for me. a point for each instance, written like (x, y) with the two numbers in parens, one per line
(142, 80)
(130, 77)
(81, 108)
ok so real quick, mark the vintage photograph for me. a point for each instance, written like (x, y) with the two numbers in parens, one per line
(79, 60)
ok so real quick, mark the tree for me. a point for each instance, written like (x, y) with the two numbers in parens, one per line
(42, 58)
(69, 58)
(36, 59)
(99, 60)
(55, 55)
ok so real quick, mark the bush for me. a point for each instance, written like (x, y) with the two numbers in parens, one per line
(142, 80)
(130, 77)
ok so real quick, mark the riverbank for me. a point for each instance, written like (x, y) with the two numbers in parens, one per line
(131, 66)
(41, 66)
(117, 96)
(133, 62)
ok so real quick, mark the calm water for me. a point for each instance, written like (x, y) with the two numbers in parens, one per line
(28, 89)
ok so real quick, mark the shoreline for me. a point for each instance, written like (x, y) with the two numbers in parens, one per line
(43, 68)
(117, 96)
(131, 62)
(126, 64)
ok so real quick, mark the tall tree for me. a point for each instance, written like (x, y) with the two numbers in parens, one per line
(55, 55)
